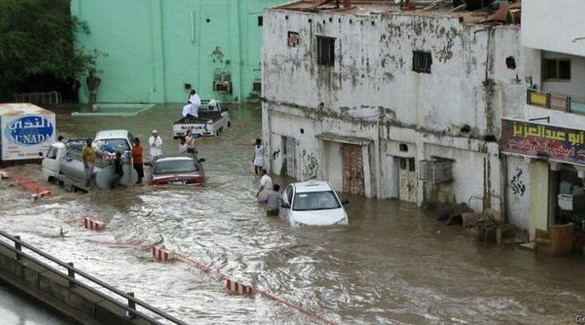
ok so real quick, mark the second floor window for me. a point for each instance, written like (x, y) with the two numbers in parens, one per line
(556, 69)
(326, 51)
(421, 61)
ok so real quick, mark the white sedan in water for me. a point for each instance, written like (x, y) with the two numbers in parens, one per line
(312, 203)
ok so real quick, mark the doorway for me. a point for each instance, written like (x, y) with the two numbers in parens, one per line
(353, 169)
(407, 184)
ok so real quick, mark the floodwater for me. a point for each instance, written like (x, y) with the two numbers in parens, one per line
(393, 264)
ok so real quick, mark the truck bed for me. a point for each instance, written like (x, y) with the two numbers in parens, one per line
(204, 116)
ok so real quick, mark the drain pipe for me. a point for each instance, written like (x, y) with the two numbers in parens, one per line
(504, 201)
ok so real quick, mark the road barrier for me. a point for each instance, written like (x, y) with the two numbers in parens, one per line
(93, 224)
(238, 287)
(162, 254)
(38, 191)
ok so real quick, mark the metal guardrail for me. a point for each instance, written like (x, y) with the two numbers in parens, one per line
(42, 98)
(130, 308)
(555, 101)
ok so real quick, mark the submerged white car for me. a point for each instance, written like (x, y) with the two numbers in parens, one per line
(312, 203)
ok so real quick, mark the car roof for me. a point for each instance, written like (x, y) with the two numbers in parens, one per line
(112, 134)
(174, 158)
(312, 186)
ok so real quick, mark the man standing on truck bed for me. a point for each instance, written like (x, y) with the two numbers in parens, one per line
(88, 155)
(195, 101)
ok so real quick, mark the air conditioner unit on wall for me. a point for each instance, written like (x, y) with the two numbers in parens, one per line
(436, 171)
(222, 86)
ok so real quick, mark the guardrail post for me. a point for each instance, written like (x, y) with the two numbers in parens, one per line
(18, 247)
(131, 305)
(71, 274)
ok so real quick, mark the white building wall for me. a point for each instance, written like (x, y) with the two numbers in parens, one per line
(576, 86)
(372, 93)
(373, 69)
(554, 26)
(518, 191)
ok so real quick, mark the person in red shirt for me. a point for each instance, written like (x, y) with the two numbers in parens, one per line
(137, 159)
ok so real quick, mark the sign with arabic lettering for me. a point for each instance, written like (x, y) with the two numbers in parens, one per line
(24, 136)
(540, 140)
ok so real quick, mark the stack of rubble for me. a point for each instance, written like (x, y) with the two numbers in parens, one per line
(486, 226)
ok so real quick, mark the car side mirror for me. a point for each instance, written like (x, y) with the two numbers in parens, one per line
(285, 206)
(41, 154)
(344, 202)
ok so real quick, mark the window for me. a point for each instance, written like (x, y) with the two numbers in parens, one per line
(556, 69)
(260, 21)
(293, 39)
(52, 154)
(421, 61)
(325, 51)
(402, 163)
(411, 167)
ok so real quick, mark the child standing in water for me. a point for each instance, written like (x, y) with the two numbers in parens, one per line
(258, 157)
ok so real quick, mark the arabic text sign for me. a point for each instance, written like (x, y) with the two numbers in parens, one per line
(543, 140)
(23, 137)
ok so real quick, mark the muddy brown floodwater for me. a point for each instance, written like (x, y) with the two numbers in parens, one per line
(393, 264)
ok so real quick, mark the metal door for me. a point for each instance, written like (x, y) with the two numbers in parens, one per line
(353, 169)
(290, 157)
(407, 179)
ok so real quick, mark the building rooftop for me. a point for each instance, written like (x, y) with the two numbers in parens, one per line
(468, 11)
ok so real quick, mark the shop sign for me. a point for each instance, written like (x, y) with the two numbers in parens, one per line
(545, 141)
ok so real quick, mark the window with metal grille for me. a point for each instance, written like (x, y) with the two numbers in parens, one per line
(421, 61)
(326, 51)
(556, 69)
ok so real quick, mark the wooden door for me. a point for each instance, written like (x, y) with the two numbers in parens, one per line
(407, 179)
(290, 157)
(353, 169)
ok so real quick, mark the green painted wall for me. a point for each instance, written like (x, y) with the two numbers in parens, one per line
(154, 47)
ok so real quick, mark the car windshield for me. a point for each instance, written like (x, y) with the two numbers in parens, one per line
(315, 201)
(175, 166)
(118, 144)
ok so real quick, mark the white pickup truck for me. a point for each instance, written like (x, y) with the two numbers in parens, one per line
(212, 120)
(63, 163)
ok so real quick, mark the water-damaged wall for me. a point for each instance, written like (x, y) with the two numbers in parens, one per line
(518, 191)
(371, 93)
(373, 68)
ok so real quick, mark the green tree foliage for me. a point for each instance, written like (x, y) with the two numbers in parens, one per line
(37, 38)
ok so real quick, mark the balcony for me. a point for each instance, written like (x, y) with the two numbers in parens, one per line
(554, 101)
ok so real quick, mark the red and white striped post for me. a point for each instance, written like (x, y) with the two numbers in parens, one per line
(92, 224)
(237, 287)
(162, 254)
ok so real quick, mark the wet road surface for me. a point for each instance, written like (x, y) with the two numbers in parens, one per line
(393, 264)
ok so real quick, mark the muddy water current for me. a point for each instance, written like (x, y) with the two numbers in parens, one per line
(394, 264)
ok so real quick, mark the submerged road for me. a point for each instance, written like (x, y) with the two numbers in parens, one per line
(393, 264)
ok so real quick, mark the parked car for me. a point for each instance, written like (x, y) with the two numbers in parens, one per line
(177, 171)
(312, 203)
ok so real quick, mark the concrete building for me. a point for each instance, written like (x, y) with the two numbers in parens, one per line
(154, 47)
(390, 103)
(544, 144)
